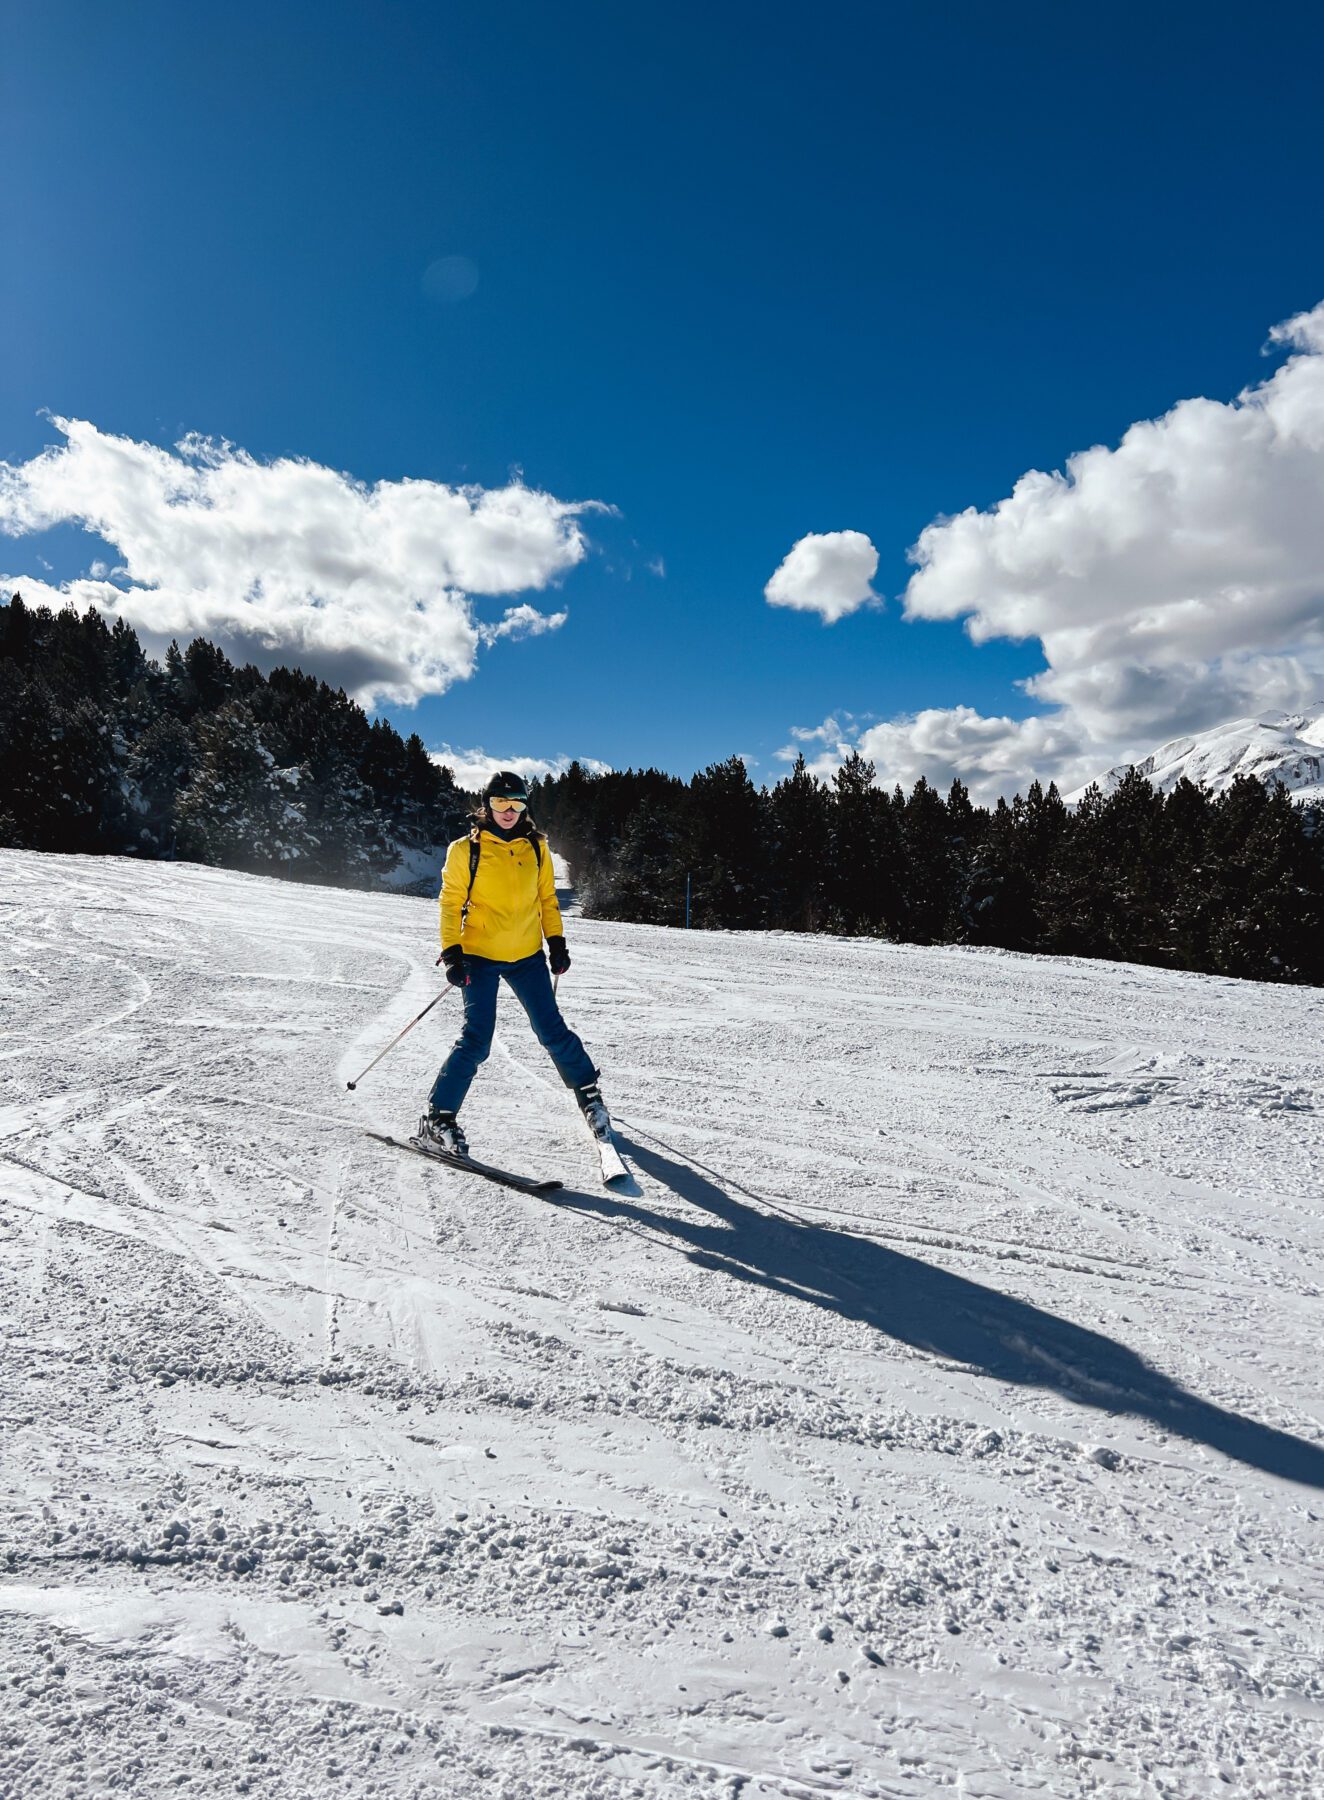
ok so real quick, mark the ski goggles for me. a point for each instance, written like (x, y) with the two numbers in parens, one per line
(506, 802)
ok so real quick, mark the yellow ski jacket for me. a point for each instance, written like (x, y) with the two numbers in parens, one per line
(513, 904)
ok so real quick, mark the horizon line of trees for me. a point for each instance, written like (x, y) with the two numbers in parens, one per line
(1227, 884)
(106, 751)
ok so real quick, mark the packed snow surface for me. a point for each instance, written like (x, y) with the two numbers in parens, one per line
(937, 1412)
(1286, 748)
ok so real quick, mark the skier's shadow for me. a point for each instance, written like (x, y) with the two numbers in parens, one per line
(944, 1314)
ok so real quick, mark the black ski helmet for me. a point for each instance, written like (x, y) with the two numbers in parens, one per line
(509, 785)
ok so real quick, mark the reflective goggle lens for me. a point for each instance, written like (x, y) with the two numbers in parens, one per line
(503, 803)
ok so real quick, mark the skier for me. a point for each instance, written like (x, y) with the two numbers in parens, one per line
(498, 902)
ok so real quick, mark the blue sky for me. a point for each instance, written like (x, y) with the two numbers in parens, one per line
(743, 276)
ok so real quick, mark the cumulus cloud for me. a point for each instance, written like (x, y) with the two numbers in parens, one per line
(991, 756)
(473, 768)
(371, 586)
(827, 572)
(1174, 581)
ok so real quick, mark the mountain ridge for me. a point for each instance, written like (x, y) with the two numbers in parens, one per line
(1287, 748)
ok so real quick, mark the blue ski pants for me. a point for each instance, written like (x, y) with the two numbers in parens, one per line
(531, 984)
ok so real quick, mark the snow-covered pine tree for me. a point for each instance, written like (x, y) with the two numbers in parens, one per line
(158, 766)
(348, 843)
(237, 810)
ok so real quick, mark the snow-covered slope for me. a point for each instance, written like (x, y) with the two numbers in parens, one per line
(939, 1413)
(1285, 747)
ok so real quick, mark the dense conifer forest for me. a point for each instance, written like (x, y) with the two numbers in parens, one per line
(1231, 884)
(105, 751)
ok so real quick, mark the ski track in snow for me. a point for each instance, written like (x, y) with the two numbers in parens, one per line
(937, 1409)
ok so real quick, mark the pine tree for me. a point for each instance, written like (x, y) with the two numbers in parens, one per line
(966, 828)
(1129, 871)
(211, 674)
(128, 664)
(800, 810)
(931, 888)
(63, 784)
(347, 844)
(18, 634)
(564, 807)
(867, 862)
(1042, 822)
(436, 809)
(159, 766)
(729, 848)
(382, 767)
(236, 811)
(1074, 906)
(998, 902)
(178, 692)
(646, 885)
(1188, 902)
(1268, 881)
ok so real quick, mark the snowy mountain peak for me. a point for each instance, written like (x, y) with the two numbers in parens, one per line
(1284, 747)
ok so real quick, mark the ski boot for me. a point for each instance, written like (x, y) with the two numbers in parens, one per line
(441, 1131)
(593, 1107)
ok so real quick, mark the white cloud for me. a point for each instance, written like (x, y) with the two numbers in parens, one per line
(521, 622)
(473, 768)
(826, 572)
(369, 586)
(1174, 582)
(991, 756)
(1303, 331)
(836, 729)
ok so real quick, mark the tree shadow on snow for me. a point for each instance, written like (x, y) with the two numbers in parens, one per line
(941, 1313)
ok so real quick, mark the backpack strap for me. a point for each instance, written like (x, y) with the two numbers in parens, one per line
(474, 850)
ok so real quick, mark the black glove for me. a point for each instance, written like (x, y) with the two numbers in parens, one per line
(557, 955)
(456, 973)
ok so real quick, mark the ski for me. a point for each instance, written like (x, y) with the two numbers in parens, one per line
(613, 1167)
(524, 1184)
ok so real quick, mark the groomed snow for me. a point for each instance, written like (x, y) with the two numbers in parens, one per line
(940, 1413)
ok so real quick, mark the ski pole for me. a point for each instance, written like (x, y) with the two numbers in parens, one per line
(396, 1039)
